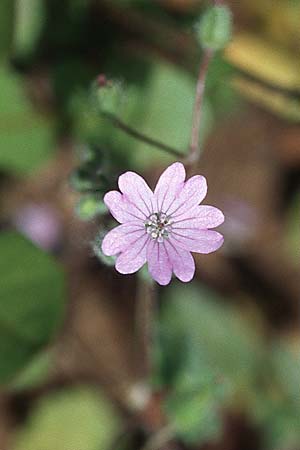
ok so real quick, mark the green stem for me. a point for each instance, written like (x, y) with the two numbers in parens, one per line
(194, 152)
(140, 136)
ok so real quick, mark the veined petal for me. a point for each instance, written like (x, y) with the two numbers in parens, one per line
(193, 192)
(134, 257)
(199, 241)
(159, 264)
(119, 238)
(168, 185)
(122, 209)
(137, 191)
(182, 262)
(201, 217)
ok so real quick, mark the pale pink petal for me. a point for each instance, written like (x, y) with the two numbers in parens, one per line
(199, 241)
(134, 257)
(159, 264)
(168, 185)
(119, 238)
(137, 191)
(121, 209)
(193, 192)
(188, 229)
(182, 261)
(201, 217)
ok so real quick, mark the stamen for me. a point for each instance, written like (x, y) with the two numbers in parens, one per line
(158, 225)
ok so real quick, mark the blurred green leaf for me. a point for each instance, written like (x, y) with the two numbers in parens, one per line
(35, 373)
(164, 111)
(78, 7)
(29, 20)
(205, 353)
(32, 302)
(275, 405)
(6, 26)
(222, 95)
(193, 409)
(26, 138)
(286, 366)
(75, 419)
(70, 77)
(153, 110)
(277, 416)
(216, 337)
(208, 356)
(90, 206)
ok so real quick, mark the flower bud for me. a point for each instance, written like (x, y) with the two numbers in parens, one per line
(214, 29)
(107, 95)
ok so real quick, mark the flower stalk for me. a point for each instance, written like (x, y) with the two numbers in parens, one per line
(213, 32)
(140, 136)
(194, 152)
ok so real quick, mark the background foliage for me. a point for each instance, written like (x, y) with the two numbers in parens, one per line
(226, 348)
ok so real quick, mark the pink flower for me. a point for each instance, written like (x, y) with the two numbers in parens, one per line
(161, 228)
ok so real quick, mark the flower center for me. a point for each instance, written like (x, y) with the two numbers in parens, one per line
(158, 225)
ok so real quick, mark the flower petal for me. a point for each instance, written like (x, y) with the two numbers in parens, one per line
(134, 257)
(168, 185)
(122, 209)
(182, 261)
(201, 217)
(159, 264)
(119, 238)
(137, 191)
(199, 241)
(193, 192)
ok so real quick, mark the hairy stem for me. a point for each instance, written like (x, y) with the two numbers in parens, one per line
(194, 152)
(141, 137)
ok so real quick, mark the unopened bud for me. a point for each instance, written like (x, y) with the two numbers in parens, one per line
(107, 95)
(214, 29)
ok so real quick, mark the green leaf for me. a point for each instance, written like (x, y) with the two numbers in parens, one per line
(6, 26)
(35, 373)
(90, 206)
(29, 19)
(32, 302)
(194, 412)
(286, 366)
(153, 110)
(215, 337)
(75, 419)
(276, 406)
(26, 137)
(204, 351)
